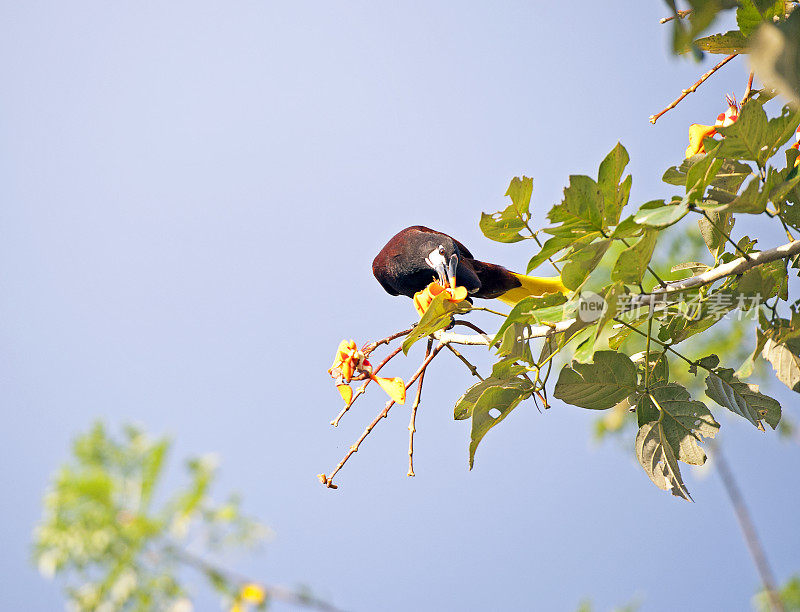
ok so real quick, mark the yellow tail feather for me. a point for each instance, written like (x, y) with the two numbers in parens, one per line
(532, 285)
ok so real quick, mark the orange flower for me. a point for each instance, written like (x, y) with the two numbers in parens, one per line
(350, 360)
(423, 299)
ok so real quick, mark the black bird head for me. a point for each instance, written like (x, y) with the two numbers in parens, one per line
(416, 256)
(442, 258)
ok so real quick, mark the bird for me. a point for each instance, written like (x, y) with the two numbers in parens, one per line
(418, 255)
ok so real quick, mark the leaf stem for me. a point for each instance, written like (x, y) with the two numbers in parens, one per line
(489, 310)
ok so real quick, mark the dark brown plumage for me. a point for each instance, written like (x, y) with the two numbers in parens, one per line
(416, 255)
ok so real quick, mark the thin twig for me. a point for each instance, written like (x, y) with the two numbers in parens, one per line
(473, 370)
(749, 91)
(539, 242)
(679, 14)
(363, 388)
(721, 231)
(693, 88)
(413, 422)
(471, 325)
(278, 592)
(748, 529)
(368, 348)
(328, 480)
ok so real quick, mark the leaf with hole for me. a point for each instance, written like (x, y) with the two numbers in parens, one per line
(742, 399)
(785, 360)
(493, 405)
(657, 457)
(726, 44)
(685, 421)
(504, 226)
(615, 193)
(582, 210)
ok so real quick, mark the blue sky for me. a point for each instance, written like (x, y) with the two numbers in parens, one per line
(193, 193)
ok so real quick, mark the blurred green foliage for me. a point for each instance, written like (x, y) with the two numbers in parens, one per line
(116, 548)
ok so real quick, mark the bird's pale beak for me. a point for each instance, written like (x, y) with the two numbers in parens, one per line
(451, 270)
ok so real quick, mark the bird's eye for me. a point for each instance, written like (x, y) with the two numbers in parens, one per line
(441, 249)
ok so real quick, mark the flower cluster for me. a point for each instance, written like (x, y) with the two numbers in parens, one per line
(423, 299)
(698, 132)
(349, 361)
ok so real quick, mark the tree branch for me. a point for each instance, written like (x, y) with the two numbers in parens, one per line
(693, 88)
(748, 529)
(412, 424)
(328, 480)
(657, 296)
(280, 593)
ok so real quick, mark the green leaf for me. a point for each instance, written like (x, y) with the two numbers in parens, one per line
(152, 467)
(745, 138)
(726, 44)
(780, 129)
(765, 281)
(657, 457)
(703, 314)
(785, 360)
(715, 230)
(743, 399)
(438, 316)
(657, 214)
(611, 296)
(685, 422)
(731, 176)
(515, 343)
(746, 369)
(504, 226)
(632, 262)
(751, 201)
(702, 173)
(493, 405)
(752, 13)
(534, 310)
(508, 368)
(549, 248)
(599, 385)
(615, 194)
(627, 228)
(581, 211)
(676, 175)
(775, 56)
(582, 262)
(466, 403)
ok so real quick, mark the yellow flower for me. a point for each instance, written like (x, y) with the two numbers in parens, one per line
(253, 593)
(697, 133)
(423, 299)
(348, 361)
